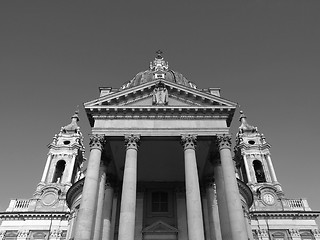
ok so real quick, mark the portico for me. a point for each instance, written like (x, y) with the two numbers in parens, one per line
(157, 139)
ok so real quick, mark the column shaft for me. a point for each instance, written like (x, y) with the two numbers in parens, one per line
(100, 200)
(46, 168)
(272, 172)
(222, 202)
(194, 209)
(236, 217)
(129, 191)
(87, 211)
(107, 213)
(213, 212)
(247, 168)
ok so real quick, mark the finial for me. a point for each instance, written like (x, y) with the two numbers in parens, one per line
(242, 116)
(76, 114)
(159, 54)
(245, 126)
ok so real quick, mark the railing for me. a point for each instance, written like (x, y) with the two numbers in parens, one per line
(296, 204)
(284, 204)
(18, 205)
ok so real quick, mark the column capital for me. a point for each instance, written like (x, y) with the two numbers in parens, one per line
(97, 141)
(224, 141)
(189, 141)
(132, 141)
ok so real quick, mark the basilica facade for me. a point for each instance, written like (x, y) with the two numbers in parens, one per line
(161, 166)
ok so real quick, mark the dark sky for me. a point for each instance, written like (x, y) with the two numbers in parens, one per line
(264, 55)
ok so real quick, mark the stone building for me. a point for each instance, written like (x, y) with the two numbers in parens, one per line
(160, 167)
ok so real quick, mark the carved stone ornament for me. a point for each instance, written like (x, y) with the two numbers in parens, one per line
(97, 142)
(2, 234)
(23, 233)
(316, 232)
(56, 233)
(262, 233)
(294, 233)
(189, 141)
(224, 141)
(132, 141)
(160, 95)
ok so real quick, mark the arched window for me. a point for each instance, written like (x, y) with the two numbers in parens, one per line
(61, 164)
(258, 170)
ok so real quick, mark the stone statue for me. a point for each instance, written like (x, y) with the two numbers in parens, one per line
(160, 95)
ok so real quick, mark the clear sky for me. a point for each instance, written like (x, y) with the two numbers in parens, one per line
(264, 55)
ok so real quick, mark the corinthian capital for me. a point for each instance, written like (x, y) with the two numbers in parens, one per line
(132, 141)
(189, 141)
(97, 142)
(224, 141)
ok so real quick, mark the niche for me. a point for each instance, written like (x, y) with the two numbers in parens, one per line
(258, 170)
(60, 166)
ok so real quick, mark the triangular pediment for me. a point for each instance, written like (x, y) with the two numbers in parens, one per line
(160, 227)
(144, 96)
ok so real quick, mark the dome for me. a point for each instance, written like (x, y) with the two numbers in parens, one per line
(159, 69)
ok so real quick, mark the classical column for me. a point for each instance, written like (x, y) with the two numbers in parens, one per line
(129, 189)
(213, 211)
(46, 168)
(181, 214)
(107, 210)
(236, 217)
(247, 168)
(194, 209)
(87, 211)
(271, 168)
(221, 200)
(100, 200)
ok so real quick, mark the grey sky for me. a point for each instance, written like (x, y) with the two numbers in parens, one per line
(262, 54)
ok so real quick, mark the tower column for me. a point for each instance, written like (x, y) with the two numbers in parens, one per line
(194, 209)
(271, 168)
(129, 189)
(236, 217)
(213, 211)
(87, 209)
(46, 168)
(247, 168)
(100, 200)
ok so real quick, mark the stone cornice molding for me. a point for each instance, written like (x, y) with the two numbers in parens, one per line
(189, 141)
(284, 214)
(34, 215)
(148, 87)
(132, 141)
(74, 191)
(97, 141)
(245, 192)
(224, 141)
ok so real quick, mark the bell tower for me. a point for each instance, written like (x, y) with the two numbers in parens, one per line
(62, 168)
(254, 163)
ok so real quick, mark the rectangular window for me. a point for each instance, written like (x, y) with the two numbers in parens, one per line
(159, 202)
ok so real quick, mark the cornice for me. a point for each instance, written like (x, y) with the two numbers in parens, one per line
(140, 89)
(284, 214)
(74, 191)
(246, 192)
(34, 215)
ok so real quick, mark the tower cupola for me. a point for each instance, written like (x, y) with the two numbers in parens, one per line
(63, 166)
(252, 154)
